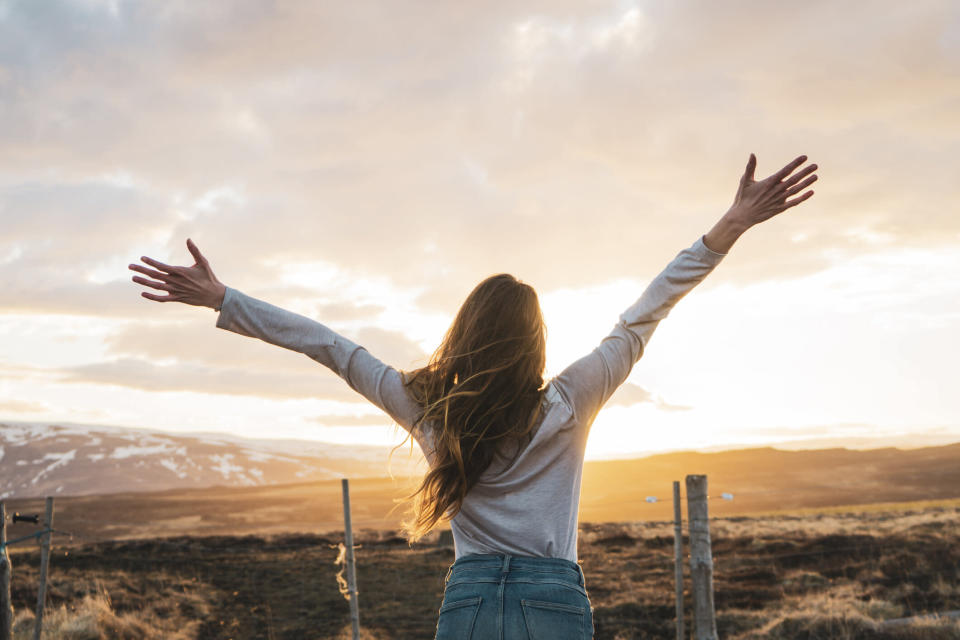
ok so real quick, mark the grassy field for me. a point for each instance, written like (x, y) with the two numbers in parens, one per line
(834, 573)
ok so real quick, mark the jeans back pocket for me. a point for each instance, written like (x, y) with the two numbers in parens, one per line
(457, 619)
(553, 620)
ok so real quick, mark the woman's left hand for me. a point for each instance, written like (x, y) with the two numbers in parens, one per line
(757, 201)
(194, 285)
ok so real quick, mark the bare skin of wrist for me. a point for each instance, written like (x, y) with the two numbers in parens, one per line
(219, 293)
(723, 234)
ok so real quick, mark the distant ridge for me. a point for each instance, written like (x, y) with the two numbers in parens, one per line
(903, 442)
(770, 479)
(39, 459)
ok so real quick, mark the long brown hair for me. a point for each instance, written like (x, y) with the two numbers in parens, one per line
(482, 386)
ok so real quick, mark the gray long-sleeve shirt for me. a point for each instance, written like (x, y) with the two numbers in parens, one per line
(530, 507)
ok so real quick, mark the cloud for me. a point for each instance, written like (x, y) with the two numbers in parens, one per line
(20, 406)
(198, 340)
(32, 293)
(335, 312)
(395, 145)
(391, 346)
(423, 149)
(196, 356)
(629, 394)
(362, 420)
(60, 239)
(148, 376)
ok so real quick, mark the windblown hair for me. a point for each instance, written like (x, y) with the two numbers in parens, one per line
(482, 387)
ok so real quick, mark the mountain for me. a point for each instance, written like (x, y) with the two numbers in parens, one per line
(760, 480)
(61, 459)
(78, 460)
(770, 479)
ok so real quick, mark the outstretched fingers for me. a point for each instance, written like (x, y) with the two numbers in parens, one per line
(788, 169)
(167, 298)
(152, 283)
(147, 272)
(797, 200)
(799, 175)
(751, 165)
(800, 187)
(166, 268)
(195, 252)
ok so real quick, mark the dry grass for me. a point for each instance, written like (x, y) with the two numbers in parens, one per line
(84, 610)
(826, 575)
(844, 612)
(93, 618)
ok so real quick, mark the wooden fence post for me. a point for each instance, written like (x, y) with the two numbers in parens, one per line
(44, 562)
(678, 556)
(351, 566)
(6, 605)
(701, 559)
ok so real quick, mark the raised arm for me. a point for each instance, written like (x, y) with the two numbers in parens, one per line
(197, 285)
(590, 381)
(379, 383)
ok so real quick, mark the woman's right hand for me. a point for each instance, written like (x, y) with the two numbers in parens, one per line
(758, 201)
(196, 285)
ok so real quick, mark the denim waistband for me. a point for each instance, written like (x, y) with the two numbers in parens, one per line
(504, 563)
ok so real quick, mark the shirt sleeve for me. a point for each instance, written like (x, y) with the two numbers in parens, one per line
(590, 381)
(377, 382)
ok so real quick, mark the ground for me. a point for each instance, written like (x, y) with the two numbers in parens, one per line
(830, 574)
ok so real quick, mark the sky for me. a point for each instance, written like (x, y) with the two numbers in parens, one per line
(367, 163)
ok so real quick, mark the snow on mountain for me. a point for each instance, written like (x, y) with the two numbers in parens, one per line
(67, 459)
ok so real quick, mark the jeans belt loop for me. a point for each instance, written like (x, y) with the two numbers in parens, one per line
(506, 563)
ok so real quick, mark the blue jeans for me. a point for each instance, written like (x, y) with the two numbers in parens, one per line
(506, 597)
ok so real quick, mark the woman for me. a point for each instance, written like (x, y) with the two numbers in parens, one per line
(505, 450)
